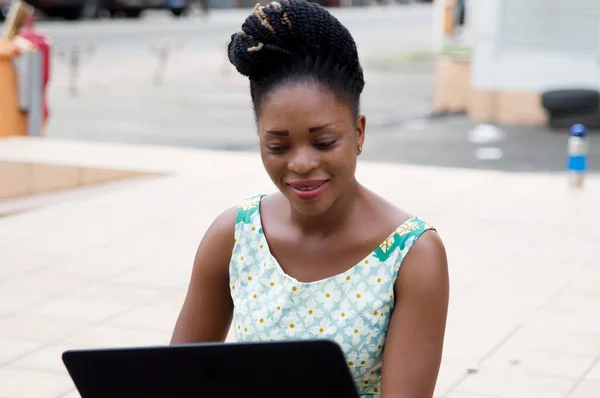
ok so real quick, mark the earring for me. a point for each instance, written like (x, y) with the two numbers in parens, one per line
(359, 148)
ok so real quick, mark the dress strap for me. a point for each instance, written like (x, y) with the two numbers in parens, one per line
(245, 258)
(407, 234)
(399, 243)
(248, 216)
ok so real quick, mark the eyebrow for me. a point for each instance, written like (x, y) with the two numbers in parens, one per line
(315, 129)
(285, 133)
(281, 133)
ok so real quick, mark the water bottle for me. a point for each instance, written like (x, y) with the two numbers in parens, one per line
(577, 155)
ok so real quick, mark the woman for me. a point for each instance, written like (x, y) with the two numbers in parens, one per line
(324, 257)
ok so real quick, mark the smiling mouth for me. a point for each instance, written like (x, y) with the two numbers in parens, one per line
(311, 188)
(307, 185)
(308, 189)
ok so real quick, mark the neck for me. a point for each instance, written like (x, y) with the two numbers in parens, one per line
(333, 219)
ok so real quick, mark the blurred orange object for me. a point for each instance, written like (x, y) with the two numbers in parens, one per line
(12, 120)
(449, 17)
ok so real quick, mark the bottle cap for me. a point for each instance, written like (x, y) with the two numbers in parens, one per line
(578, 130)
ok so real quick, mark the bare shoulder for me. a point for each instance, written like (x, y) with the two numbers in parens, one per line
(207, 308)
(415, 339)
(426, 262)
(223, 227)
(215, 248)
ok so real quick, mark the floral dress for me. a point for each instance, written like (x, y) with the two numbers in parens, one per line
(352, 308)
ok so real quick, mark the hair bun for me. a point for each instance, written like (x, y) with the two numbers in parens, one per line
(280, 33)
(252, 57)
(262, 40)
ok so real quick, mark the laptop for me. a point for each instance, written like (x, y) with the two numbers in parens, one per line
(292, 368)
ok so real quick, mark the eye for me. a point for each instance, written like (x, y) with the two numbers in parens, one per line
(276, 148)
(325, 145)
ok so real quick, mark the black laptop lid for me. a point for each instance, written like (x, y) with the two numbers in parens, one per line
(307, 368)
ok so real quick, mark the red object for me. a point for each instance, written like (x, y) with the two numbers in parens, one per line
(317, 188)
(43, 44)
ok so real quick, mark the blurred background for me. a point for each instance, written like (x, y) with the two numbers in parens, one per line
(154, 71)
(157, 73)
(470, 103)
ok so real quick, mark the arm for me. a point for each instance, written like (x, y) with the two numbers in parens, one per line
(207, 310)
(415, 339)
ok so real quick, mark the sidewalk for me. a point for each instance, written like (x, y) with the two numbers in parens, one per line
(112, 269)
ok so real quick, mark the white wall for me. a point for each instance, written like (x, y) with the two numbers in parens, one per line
(534, 45)
(438, 25)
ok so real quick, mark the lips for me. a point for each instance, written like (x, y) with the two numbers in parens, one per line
(307, 185)
(308, 189)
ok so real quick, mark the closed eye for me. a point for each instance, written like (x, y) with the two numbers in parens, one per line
(276, 148)
(325, 145)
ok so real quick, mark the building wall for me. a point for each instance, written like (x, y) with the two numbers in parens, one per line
(536, 45)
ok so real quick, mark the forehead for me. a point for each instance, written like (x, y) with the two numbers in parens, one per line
(301, 106)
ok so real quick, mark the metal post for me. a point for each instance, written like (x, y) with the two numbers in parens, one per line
(74, 56)
(29, 67)
(163, 51)
(35, 117)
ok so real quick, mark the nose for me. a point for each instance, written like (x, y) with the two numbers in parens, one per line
(303, 160)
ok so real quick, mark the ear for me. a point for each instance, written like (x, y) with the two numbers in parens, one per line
(361, 124)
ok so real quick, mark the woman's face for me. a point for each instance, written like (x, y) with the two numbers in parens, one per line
(309, 141)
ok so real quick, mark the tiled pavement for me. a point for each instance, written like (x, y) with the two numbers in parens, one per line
(111, 269)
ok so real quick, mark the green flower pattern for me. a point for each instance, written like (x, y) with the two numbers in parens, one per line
(352, 308)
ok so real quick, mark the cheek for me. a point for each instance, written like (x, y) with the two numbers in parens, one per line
(343, 157)
(274, 166)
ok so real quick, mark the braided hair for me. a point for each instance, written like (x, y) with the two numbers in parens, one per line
(295, 41)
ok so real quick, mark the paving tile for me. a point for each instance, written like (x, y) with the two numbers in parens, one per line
(99, 264)
(525, 295)
(594, 373)
(550, 276)
(38, 328)
(586, 390)
(97, 302)
(582, 249)
(487, 302)
(15, 263)
(71, 394)
(539, 361)
(160, 315)
(587, 282)
(20, 383)
(14, 348)
(463, 395)
(157, 275)
(12, 302)
(532, 337)
(580, 302)
(48, 359)
(105, 336)
(49, 280)
(467, 343)
(573, 321)
(450, 373)
(513, 383)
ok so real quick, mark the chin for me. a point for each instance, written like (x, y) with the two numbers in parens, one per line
(312, 208)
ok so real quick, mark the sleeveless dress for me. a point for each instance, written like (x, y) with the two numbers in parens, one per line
(352, 308)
